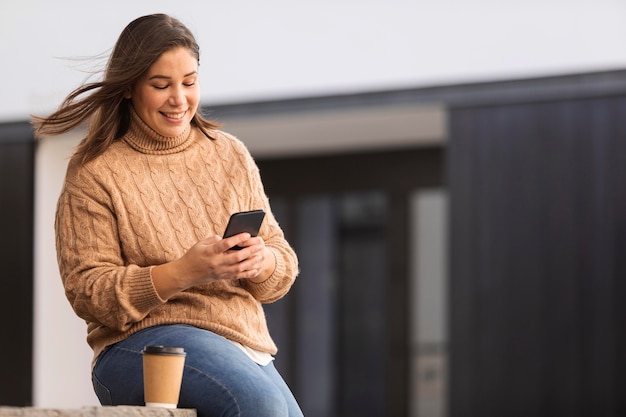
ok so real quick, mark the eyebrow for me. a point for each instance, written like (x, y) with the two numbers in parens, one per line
(164, 77)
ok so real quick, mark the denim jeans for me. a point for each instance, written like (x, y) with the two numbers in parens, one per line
(219, 379)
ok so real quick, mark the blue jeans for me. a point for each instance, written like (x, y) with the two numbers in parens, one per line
(218, 380)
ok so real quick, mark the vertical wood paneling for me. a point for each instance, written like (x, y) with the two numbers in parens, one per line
(535, 216)
(16, 258)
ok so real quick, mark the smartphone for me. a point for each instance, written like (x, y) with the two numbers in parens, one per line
(245, 221)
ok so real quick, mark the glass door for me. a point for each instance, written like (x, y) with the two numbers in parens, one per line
(336, 338)
(345, 331)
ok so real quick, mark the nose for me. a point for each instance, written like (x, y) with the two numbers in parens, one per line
(177, 98)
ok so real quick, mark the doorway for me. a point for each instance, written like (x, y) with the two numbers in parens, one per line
(344, 330)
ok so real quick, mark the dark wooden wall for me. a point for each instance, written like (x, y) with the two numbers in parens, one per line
(16, 257)
(538, 258)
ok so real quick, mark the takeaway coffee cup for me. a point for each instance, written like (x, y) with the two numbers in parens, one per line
(162, 375)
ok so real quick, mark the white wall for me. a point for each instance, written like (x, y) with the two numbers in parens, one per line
(61, 356)
(279, 48)
(264, 50)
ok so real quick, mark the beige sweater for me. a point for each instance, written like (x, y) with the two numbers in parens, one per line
(146, 201)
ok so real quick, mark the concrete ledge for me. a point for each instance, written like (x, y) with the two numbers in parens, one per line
(118, 411)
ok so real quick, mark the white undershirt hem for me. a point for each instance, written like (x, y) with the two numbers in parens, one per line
(261, 358)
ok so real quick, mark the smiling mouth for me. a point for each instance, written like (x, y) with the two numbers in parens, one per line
(174, 115)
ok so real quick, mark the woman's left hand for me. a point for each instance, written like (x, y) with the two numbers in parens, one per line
(258, 258)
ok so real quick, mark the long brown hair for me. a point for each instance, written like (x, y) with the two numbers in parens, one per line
(105, 109)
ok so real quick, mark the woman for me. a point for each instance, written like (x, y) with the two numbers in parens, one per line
(147, 195)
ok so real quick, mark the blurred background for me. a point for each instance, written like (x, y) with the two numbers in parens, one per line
(451, 174)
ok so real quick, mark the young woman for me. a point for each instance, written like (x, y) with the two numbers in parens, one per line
(147, 195)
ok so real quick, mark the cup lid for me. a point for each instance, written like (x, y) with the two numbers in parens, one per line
(164, 350)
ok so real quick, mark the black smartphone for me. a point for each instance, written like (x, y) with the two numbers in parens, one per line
(244, 221)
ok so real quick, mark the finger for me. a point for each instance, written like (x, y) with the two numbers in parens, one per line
(243, 259)
(234, 241)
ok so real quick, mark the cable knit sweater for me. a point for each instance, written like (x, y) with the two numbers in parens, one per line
(145, 201)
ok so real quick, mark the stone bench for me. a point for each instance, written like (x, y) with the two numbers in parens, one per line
(117, 411)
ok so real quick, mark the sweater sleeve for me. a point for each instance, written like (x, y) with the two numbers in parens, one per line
(100, 287)
(284, 275)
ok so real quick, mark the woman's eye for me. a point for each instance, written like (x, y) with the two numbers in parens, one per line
(189, 84)
(160, 87)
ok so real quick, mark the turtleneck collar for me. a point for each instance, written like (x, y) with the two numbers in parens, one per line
(143, 138)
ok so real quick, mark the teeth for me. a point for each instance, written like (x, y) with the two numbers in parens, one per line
(175, 115)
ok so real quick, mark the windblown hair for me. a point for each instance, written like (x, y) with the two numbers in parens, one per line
(105, 109)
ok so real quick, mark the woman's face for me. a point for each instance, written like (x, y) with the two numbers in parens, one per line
(166, 97)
